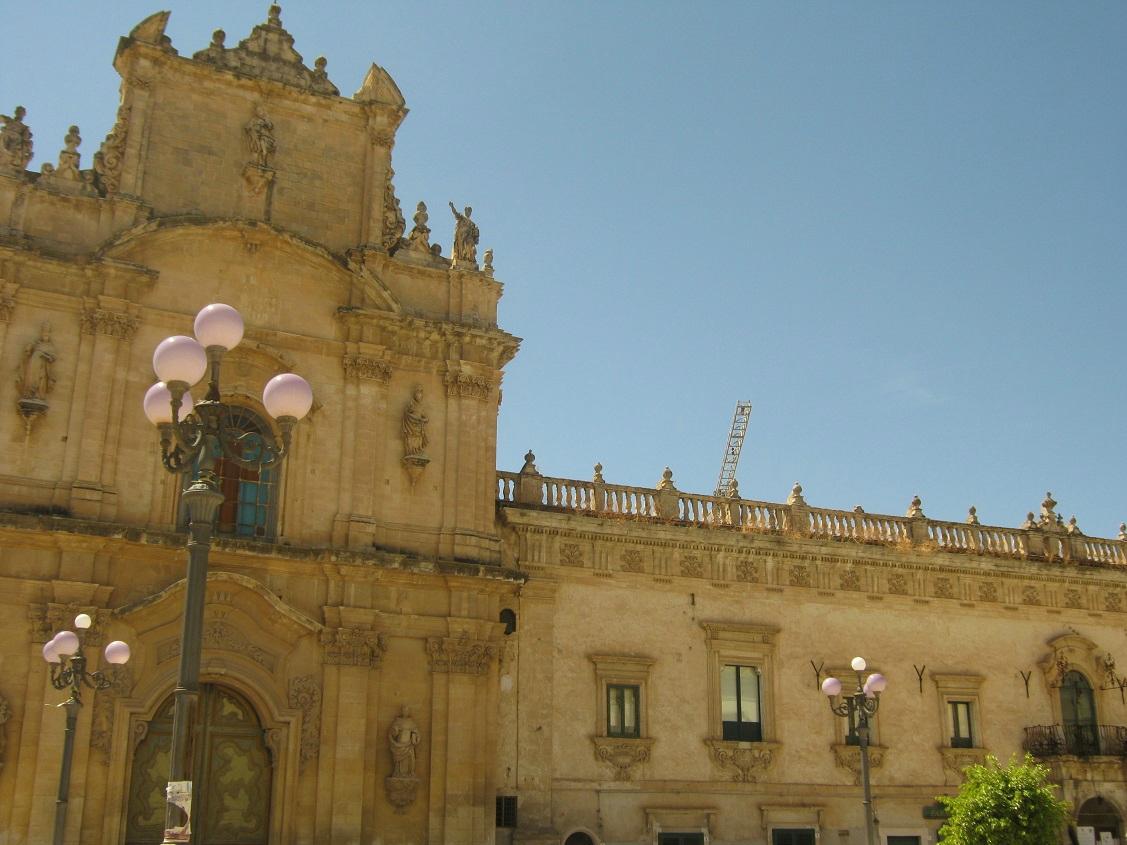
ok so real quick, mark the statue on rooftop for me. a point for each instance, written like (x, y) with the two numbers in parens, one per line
(419, 238)
(466, 236)
(15, 140)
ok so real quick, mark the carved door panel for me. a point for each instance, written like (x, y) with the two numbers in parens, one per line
(232, 805)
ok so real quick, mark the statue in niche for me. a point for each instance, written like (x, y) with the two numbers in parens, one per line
(419, 238)
(260, 137)
(34, 378)
(15, 139)
(415, 426)
(466, 236)
(69, 157)
(402, 737)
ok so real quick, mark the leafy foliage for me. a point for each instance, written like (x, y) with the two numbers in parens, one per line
(1004, 805)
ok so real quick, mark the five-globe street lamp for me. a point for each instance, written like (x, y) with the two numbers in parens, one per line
(68, 671)
(858, 707)
(194, 437)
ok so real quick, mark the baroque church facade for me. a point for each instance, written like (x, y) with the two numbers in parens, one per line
(401, 643)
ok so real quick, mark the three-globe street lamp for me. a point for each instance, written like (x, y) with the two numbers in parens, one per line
(858, 707)
(194, 438)
(68, 671)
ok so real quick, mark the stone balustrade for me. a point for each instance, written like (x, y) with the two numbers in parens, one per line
(1047, 539)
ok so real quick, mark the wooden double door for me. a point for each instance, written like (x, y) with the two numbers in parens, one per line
(231, 774)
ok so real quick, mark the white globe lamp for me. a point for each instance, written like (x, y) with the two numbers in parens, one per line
(219, 325)
(180, 358)
(287, 395)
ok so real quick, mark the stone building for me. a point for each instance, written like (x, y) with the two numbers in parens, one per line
(402, 644)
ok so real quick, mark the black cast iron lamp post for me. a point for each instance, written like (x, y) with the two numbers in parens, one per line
(193, 438)
(68, 671)
(858, 707)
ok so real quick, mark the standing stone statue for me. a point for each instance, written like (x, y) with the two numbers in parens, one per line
(34, 378)
(466, 236)
(402, 737)
(15, 140)
(260, 137)
(415, 426)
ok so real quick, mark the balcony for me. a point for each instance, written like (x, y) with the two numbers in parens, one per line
(1076, 740)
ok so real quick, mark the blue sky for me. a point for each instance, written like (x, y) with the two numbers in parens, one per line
(899, 229)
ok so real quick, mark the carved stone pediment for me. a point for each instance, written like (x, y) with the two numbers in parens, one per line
(848, 757)
(744, 762)
(957, 759)
(622, 754)
(268, 53)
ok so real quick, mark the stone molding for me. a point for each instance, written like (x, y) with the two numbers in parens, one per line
(223, 636)
(305, 695)
(460, 655)
(352, 647)
(749, 760)
(622, 754)
(957, 759)
(848, 757)
(361, 366)
(110, 323)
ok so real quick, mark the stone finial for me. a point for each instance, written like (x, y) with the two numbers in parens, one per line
(733, 491)
(1073, 527)
(795, 497)
(858, 509)
(217, 38)
(69, 157)
(15, 140)
(598, 479)
(319, 72)
(666, 482)
(1123, 531)
(1060, 519)
(915, 509)
(529, 467)
(972, 515)
(274, 15)
(488, 258)
(1030, 522)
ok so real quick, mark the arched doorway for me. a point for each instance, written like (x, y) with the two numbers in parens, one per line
(1078, 715)
(1099, 813)
(229, 749)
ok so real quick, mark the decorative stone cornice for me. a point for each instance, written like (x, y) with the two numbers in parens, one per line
(848, 757)
(621, 754)
(460, 655)
(957, 759)
(745, 762)
(111, 323)
(352, 647)
(361, 366)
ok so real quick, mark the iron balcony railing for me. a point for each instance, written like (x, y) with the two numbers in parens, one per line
(1076, 740)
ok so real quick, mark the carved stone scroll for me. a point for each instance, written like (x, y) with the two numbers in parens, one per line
(305, 695)
(622, 755)
(744, 761)
(110, 158)
(848, 757)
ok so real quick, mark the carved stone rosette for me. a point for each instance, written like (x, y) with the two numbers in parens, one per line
(957, 759)
(305, 695)
(623, 755)
(401, 792)
(745, 762)
(353, 647)
(848, 757)
(460, 655)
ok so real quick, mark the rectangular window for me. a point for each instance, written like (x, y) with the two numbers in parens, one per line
(740, 703)
(622, 710)
(792, 836)
(961, 734)
(506, 811)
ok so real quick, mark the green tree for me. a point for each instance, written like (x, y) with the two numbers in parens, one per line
(1004, 805)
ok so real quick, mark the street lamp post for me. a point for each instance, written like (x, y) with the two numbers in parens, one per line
(68, 671)
(858, 707)
(193, 438)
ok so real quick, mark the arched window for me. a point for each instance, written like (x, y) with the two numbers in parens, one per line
(250, 496)
(509, 620)
(1078, 715)
(1099, 813)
